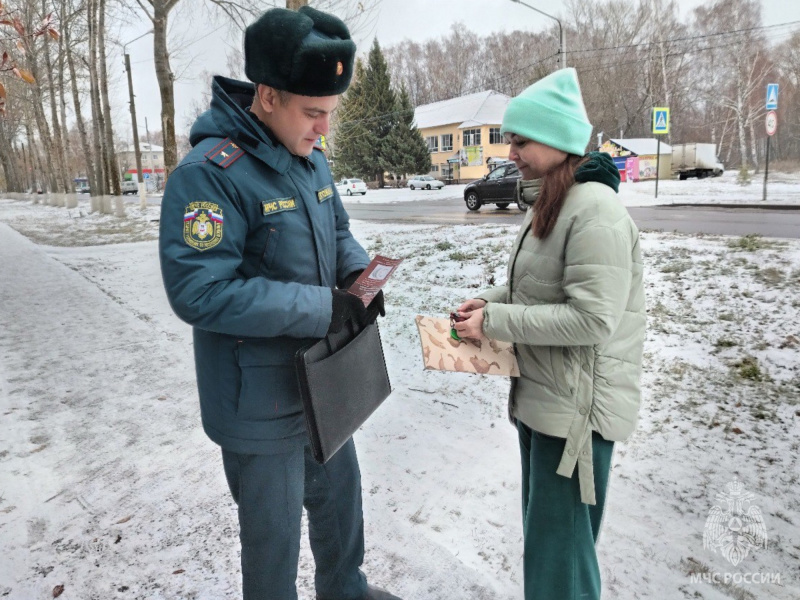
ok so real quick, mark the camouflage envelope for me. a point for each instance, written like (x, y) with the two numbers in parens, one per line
(441, 352)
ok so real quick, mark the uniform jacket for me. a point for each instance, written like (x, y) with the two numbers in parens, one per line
(574, 308)
(252, 240)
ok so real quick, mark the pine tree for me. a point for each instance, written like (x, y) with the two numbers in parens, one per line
(376, 131)
(381, 101)
(409, 153)
(352, 155)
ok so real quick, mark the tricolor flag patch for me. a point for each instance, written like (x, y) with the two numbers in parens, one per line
(202, 225)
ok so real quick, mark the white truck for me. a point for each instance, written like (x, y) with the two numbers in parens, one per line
(696, 160)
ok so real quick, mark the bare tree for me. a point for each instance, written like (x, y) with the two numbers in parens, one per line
(787, 141)
(99, 165)
(57, 146)
(70, 27)
(742, 65)
(109, 154)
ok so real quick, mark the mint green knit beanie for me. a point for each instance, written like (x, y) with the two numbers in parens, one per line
(551, 112)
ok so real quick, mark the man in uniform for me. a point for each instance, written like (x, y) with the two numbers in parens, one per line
(254, 243)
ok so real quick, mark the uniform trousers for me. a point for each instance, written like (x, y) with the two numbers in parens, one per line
(560, 532)
(270, 491)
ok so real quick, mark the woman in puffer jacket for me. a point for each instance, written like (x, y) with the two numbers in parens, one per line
(574, 309)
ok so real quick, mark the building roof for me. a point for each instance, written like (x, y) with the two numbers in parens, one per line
(144, 147)
(643, 146)
(473, 110)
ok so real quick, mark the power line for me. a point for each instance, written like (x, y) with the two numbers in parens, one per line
(591, 68)
(683, 39)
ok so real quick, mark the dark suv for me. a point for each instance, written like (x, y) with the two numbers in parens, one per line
(495, 188)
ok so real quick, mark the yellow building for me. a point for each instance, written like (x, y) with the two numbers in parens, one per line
(463, 134)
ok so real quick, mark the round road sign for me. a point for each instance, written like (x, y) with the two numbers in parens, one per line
(772, 122)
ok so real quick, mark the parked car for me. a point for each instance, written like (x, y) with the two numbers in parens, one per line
(129, 187)
(425, 182)
(497, 187)
(348, 187)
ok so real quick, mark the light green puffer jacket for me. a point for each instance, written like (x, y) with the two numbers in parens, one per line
(574, 308)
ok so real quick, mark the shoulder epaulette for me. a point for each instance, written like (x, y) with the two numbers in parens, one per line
(225, 153)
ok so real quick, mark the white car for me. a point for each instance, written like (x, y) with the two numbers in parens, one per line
(425, 182)
(348, 187)
(129, 187)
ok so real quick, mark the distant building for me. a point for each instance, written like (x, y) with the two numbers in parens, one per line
(463, 134)
(644, 151)
(152, 164)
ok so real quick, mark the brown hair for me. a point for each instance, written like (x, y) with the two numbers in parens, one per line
(555, 185)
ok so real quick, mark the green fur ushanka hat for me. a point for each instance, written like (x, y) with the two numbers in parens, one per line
(306, 52)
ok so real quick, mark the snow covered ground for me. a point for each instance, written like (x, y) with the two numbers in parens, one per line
(782, 188)
(109, 487)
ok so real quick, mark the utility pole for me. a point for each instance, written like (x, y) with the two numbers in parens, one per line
(136, 150)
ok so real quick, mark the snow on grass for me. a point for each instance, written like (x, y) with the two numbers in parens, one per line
(111, 489)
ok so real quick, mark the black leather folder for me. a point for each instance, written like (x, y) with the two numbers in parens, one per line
(343, 379)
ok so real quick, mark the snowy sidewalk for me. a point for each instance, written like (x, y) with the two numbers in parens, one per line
(95, 483)
(111, 488)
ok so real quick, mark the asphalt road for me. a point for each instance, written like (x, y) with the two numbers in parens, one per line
(777, 223)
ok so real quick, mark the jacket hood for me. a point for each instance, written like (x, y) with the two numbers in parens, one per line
(227, 118)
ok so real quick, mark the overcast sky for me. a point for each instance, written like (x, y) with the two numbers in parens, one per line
(203, 46)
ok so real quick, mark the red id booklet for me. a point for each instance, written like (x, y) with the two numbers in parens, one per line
(373, 278)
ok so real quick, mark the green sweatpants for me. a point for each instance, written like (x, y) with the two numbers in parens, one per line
(560, 531)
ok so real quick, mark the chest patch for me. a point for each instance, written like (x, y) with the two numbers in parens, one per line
(270, 207)
(202, 225)
(324, 194)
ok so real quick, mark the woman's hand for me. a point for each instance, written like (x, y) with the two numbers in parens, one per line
(472, 327)
(470, 305)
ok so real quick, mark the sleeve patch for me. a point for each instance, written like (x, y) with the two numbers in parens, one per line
(202, 225)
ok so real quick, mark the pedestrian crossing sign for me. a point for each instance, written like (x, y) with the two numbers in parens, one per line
(661, 120)
(772, 96)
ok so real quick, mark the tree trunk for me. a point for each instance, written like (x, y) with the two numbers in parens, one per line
(753, 146)
(62, 97)
(165, 86)
(49, 174)
(740, 102)
(295, 4)
(48, 171)
(27, 168)
(7, 160)
(37, 172)
(665, 84)
(100, 188)
(58, 142)
(76, 101)
(112, 169)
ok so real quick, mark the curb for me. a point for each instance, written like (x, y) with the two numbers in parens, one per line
(745, 206)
